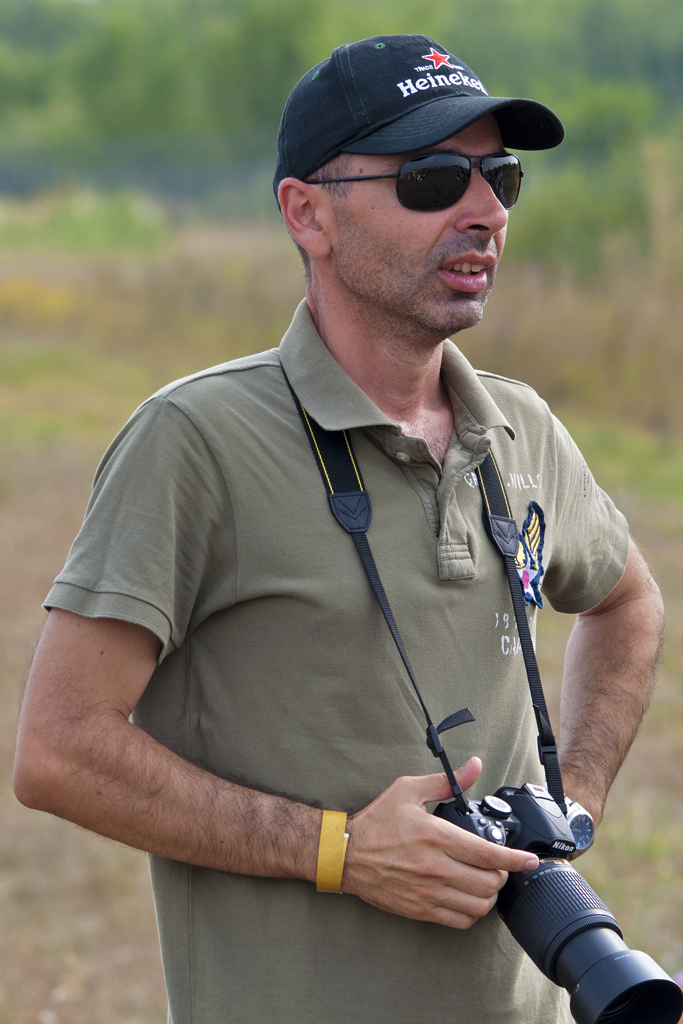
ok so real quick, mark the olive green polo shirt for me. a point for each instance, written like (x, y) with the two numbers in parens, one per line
(210, 526)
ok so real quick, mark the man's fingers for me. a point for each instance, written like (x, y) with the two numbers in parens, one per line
(438, 899)
(457, 909)
(502, 858)
(483, 884)
(451, 918)
(462, 903)
(452, 874)
(467, 848)
(470, 849)
(469, 773)
(428, 788)
(462, 916)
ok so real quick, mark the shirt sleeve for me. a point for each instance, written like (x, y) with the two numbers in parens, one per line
(591, 539)
(157, 543)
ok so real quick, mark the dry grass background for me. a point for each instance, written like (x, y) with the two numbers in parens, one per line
(82, 341)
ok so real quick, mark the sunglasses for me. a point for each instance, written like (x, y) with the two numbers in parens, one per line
(439, 180)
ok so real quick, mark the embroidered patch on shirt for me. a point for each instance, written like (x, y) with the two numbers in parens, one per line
(529, 555)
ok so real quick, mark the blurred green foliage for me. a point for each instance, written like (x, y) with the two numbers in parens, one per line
(188, 82)
(77, 221)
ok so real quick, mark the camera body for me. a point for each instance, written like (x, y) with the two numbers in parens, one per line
(524, 817)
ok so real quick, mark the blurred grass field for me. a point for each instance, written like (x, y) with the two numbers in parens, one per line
(97, 311)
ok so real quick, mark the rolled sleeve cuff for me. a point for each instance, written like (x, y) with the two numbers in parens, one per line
(96, 605)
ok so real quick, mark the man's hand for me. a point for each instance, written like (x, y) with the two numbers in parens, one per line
(406, 861)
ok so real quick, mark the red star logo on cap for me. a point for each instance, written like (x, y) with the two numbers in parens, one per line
(438, 59)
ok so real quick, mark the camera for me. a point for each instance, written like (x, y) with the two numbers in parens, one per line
(559, 921)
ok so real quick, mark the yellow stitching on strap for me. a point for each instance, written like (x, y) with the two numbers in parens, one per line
(331, 851)
(353, 461)
(502, 486)
(483, 489)
(308, 424)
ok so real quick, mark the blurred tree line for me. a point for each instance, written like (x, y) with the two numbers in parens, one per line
(184, 97)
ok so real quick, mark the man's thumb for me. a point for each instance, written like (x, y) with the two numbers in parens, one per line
(435, 787)
(469, 773)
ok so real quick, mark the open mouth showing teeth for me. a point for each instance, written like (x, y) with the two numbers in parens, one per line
(467, 268)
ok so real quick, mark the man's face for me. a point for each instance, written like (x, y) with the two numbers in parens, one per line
(411, 267)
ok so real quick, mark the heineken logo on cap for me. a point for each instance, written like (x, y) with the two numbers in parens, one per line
(437, 60)
(457, 78)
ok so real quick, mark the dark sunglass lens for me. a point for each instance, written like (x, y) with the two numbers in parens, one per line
(433, 183)
(504, 175)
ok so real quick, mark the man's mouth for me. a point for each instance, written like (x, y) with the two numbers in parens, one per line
(468, 268)
(466, 276)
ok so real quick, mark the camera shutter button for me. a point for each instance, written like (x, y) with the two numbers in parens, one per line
(495, 807)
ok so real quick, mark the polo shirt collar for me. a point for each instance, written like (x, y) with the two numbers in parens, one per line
(474, 411)
(330, 396)
(326, 392)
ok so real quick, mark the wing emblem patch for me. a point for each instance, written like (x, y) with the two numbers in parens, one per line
(529, 559)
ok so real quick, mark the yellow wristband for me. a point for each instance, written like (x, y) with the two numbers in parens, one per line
(332, 851)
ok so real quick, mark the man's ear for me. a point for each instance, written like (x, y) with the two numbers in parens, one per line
(307, 213)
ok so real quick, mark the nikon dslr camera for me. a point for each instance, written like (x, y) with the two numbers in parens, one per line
(559, 921)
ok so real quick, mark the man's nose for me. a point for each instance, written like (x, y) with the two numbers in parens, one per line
(479, 210)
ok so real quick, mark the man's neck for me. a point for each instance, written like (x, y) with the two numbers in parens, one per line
(402, 376)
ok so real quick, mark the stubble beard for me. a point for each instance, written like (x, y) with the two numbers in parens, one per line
(399, 291)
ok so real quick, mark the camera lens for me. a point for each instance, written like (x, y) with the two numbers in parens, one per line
(618, 1007)
(573, 938)
(612, 984)
(646, 1002)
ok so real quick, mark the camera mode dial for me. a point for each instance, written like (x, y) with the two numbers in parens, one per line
(495, 807)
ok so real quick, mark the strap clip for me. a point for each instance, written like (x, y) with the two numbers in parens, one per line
(505, 535)
(352, 510)
(433, 741)
(544, 750)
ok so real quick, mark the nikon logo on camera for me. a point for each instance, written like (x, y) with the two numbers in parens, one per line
(564, 847)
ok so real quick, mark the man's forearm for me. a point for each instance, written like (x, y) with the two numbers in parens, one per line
(80, 758)
(118, 781)
(610, 669)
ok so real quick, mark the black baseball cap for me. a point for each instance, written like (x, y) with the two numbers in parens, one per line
(394, 94)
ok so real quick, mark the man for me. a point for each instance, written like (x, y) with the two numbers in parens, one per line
(211, 593)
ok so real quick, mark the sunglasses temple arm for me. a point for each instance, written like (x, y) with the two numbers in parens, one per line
(359, 177)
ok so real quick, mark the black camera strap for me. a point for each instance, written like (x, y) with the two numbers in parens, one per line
(350, 505)
(502, 529)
